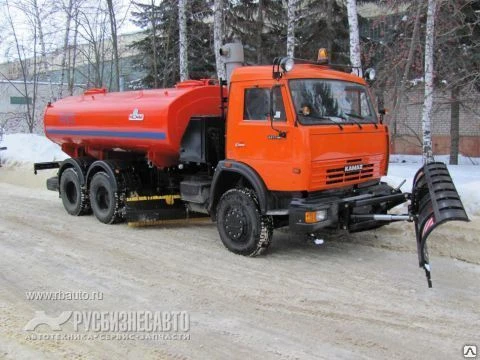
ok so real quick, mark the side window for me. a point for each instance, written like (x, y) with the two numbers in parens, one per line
(278, 105)
(256, 104)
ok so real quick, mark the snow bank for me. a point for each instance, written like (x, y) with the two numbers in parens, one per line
(23, 149)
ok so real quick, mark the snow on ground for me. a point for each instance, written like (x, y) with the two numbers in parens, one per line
(417, 159)
(24, 149)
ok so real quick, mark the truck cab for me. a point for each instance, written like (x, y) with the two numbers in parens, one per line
(315, 126)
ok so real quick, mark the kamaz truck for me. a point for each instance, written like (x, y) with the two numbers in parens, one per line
(296, 144)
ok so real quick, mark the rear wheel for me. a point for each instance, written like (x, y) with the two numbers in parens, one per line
(74, 198)
(242, 228)
(104, 200)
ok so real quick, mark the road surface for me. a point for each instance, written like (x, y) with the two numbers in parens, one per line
(355, 297)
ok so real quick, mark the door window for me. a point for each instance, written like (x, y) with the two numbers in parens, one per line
(278, 105)
(257, 104)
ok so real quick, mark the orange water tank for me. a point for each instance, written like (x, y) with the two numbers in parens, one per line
(145, 121)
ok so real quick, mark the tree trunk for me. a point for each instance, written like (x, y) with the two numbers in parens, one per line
(454, 126)
(428, 101)
(291, 14)
(259, 33)
(73, 64)
(330, 30)
(154, 45)
(43, 49)
(65, 47)
(218, 37)
(113, 27)
(183, 45)
(355, 58)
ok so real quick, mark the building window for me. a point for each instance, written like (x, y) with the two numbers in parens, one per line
(20, 100)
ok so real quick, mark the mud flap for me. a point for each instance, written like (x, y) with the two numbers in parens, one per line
(435, 200)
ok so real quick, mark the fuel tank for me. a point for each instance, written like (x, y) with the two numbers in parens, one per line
(150, 122)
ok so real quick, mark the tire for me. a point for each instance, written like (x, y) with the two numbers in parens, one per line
(243, 230)
(74, 198)
(105, 202)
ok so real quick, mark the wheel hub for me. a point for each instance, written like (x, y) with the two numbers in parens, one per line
(236, 224)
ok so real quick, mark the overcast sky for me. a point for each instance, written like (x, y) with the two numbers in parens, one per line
(54, 26)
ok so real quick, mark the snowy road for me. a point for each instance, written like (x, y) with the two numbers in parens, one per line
(357, 296)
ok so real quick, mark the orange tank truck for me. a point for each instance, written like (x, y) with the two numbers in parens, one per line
(297, 143)
(144, 121)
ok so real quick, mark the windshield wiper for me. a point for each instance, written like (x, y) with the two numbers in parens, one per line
(324, 118)
(353, 116)
(362, 118)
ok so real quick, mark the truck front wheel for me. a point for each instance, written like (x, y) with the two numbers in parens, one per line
(104, 200)
(242, 228)
(74, 198)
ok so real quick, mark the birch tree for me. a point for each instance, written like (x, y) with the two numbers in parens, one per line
(260, 26)
(291, 17)
(113, 27)
(183, 45)
(355, 58)
(43, 48)
(66, 38)
(72, 55)
(428, 101)
(218, 37)
(152, 18)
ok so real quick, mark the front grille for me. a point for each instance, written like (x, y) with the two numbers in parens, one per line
(331, 173)
(338, 175)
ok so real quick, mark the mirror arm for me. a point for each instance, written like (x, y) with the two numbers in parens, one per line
(281, 134)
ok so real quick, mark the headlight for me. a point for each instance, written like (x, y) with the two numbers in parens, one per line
(370, 74)
(287, 64)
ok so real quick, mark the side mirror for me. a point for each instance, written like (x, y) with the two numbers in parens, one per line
(382, 113)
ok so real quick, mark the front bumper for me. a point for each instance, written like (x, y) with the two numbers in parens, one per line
(340, 207)
(299, 207)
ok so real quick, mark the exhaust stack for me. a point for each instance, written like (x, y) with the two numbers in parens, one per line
(233, 57)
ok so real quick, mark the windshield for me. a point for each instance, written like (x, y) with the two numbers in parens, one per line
(319, 101)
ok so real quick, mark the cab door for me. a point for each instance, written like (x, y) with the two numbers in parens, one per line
(254, 139)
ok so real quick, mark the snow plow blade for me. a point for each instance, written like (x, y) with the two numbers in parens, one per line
(435, 200)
